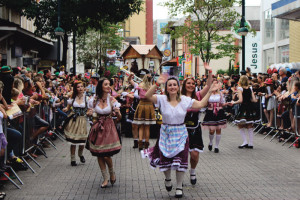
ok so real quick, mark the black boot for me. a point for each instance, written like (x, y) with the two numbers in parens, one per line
(135, 144)
(140, 144)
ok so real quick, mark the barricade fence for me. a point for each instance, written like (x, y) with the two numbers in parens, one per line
(34, 126)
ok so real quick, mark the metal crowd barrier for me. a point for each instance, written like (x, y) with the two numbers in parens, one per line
(5, 159)
(296, 134)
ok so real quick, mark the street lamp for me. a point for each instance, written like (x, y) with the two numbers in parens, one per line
(243, 31)
(58, 32)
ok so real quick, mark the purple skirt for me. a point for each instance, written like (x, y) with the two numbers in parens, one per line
(157, 159)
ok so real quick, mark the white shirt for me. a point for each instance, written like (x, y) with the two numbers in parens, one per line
(174, 115)
(105, 111)
(216, 98)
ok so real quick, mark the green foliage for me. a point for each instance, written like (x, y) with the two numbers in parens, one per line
(92, 46)
(203, 26)
(113, 71)
(221, 71)
(76, 15)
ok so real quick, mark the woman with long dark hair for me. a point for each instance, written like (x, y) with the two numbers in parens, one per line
(76, 123)
(171, 149)
(192, 120)
(103, 140)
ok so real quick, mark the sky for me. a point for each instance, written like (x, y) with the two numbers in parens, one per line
(160, 12)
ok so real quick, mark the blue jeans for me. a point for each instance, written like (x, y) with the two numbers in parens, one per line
(14, 139)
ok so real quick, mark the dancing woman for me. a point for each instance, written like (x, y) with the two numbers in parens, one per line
(171, 149)
(76, 123)
(103, 140)
(215, 118)
(192, 121)
(144, 115)
(247, 114)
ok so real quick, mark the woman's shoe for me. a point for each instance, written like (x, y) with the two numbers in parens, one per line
(140, 144)
(243, 146)
(216, 150)
(73, 163)
(105, 178)
(194, 180)
(178, 193)
(249, 147)
(112, 173)
(82, 159)
(209, 147)
(168, 188)
(104, 185)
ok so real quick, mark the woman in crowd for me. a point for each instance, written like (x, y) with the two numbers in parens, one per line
(215, 118)
(247, 114)
(76, 123)
(103, 140)
(144, 115)
(270, 101)
(192, 121)
(171, 149)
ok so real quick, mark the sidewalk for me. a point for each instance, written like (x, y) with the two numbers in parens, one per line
(269, 171)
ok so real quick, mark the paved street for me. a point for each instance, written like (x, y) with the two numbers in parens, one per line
(269, 171)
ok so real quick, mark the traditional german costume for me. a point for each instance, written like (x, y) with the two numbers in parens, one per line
(172, 148)
(103, 140)
(144, 114)
(215, 117)
(75, 127)
(247, 114)
(193, 125)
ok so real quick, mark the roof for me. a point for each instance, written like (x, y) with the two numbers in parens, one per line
(143, 49)
(172, 62)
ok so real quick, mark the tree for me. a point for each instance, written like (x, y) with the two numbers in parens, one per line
(93, 45)
(77, 16)
(206, 18)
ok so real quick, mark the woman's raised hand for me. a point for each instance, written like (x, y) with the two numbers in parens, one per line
(206, 66)
(162, 78)
(215, 86)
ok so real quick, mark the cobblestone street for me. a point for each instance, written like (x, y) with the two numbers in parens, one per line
(269, 171)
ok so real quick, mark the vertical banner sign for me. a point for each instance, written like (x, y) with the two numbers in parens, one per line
(188, 64)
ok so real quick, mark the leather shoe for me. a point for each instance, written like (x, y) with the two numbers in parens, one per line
(73, 163)
(249, 147)
(210, 147)
(216, 150)
(243, 146)
(82, 159)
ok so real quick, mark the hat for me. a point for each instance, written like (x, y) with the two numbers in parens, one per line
(95, 75)
(6, 69)
(28, 69)
(56, 73)
(181, 78)
(41, 72)
(269, 81)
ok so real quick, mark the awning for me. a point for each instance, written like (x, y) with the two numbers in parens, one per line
(286, 9)
(172, 62)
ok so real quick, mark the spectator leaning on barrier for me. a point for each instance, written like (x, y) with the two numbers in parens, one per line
(283, 76)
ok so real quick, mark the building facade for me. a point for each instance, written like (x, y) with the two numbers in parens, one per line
(141, 25)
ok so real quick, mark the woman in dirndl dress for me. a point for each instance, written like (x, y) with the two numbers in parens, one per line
(215, 118)
(171, 149)
(75, 127)
(103, 140)
(247, 114)
(144, 115)
(192, 121)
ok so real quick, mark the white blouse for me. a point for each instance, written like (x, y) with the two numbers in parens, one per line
(171, 114)
(105, 111)
(216, 98)
(75, 104)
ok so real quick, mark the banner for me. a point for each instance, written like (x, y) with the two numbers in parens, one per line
(188, 64)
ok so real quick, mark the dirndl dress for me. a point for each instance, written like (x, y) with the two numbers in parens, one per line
(215, 117)
(75, 125)
(144, 113)
(193, 125)
(247, 113)
(103, 139)
(172, 147)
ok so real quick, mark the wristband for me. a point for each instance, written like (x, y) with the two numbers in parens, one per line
(156, 84)
(210, 71)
